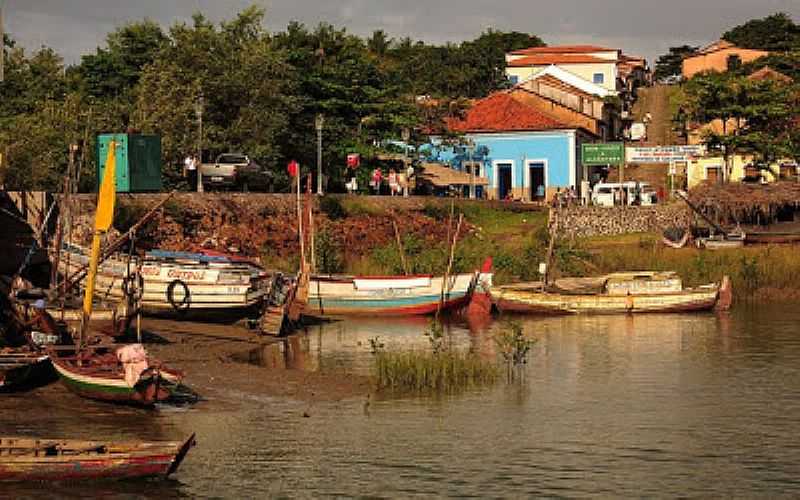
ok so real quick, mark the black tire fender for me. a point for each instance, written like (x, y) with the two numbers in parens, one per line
(182, 305)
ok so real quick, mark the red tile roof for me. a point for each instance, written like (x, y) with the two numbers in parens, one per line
(548, 59)
(502, 113)
(562, 49)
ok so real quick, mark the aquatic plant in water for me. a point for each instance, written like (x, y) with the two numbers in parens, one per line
(513, 347)
(440, 369)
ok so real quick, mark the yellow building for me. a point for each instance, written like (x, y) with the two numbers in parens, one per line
(711, 170)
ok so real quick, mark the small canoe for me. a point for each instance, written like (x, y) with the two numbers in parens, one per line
(22, 368)
(389, 295)
(619, 293)
(101, 376)
(29, 459)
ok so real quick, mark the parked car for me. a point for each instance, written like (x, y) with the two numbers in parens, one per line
(236, 171)
(638, 193)
(671, 79)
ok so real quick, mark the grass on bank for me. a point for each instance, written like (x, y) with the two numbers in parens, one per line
(517, 241)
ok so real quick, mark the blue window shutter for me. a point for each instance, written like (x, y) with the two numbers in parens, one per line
(514, 79)
(598, 78)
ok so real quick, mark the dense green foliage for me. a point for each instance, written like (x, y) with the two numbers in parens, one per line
(671, 63)
(258, 93)
(776, 32)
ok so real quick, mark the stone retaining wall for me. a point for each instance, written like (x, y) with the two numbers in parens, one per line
(609, 221)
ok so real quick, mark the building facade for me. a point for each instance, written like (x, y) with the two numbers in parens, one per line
(522, 152)
(719, 57)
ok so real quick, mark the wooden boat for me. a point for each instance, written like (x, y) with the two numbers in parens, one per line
(126, 374)
(674, 237)
(771, 237)
(102, 376)
(723, 242)
(635, 292)
(30, 459)
(184, 282)
(21, 367)
(389, 295)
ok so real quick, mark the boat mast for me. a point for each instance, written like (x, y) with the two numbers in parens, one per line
(106, 198)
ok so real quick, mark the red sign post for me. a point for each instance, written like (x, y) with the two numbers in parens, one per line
(293, 168)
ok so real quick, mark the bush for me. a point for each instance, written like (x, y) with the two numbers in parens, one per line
(437, 211)
(328, 254)
(332, 207)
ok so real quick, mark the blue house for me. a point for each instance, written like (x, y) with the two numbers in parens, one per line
(524, 153)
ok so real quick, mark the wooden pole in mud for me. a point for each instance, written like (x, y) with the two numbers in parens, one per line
(310, 209)
(399, 244)
(300, 225)
(553, 216)
(446, 276)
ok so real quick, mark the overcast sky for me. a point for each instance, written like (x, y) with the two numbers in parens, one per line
(643, 27)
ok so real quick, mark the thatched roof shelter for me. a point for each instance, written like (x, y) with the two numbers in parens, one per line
(739, 201)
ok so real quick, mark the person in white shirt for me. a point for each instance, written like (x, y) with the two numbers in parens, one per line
(190, 164)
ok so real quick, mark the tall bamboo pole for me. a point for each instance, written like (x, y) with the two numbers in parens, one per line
(300, 224)
(446, 276)
(310, 209)
(399, 245)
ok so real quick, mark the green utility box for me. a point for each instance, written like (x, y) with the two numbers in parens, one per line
(138, 165)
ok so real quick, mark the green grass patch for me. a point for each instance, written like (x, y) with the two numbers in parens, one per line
(422, 371)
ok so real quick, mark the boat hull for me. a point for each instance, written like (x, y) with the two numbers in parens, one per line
(214, 289)
(526, 301)
(101, 461)
(387, 296)
(25, 371)
(114, 388)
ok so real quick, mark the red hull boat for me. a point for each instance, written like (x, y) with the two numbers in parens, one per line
(28, 459)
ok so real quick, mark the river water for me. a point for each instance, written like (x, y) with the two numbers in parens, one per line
(672, 405)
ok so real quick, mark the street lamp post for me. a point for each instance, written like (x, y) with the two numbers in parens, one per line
(2, 45)
(198, 109)
(319, 122)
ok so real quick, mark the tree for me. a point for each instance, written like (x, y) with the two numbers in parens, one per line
(671, 63)
(114, 71)
(758, 117)
(775, 33)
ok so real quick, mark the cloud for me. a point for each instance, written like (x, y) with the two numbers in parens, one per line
(645, 27)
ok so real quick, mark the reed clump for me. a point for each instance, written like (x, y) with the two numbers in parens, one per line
(442, 369)
(422, 371)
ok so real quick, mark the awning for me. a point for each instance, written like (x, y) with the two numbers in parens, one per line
(442, 176)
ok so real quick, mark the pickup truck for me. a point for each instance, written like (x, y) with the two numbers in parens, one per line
(235, 171)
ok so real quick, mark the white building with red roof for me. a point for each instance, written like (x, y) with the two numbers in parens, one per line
(598, 65)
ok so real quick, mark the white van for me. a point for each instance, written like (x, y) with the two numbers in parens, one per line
(604, 193)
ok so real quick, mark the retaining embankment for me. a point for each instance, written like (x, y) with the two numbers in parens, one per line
(584, 222)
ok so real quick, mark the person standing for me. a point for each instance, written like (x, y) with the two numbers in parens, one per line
(191, 172)
(377, 178)
(409, 174)
(392, 182)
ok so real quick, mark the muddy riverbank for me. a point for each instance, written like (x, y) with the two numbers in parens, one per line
(218, 358)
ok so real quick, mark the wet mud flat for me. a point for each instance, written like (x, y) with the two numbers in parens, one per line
(220, 358)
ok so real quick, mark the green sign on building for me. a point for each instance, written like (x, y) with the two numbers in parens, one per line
(611, 153)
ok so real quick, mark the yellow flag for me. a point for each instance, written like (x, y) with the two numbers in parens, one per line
(108, 191)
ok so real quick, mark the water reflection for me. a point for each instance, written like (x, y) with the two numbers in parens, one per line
(690, 405)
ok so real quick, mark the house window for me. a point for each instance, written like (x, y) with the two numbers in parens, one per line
(514, 79)
(598, 78)
(734, 62)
